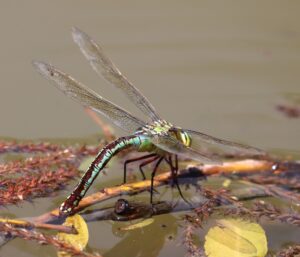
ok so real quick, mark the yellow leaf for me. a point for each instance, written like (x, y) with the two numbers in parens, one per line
(226, 183)
(79, 240)
(141, 224)
(236, 238)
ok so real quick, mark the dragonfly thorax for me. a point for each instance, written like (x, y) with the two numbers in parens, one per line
(161, 128)
(157, 128)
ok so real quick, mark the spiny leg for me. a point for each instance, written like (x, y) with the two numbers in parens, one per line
(135, 160)
(152, 177)
(146, 163)
(174, 171)
(176, 164)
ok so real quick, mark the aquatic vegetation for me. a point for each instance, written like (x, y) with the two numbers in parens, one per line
(51, 166)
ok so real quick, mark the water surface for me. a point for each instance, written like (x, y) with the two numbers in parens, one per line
(217, 67)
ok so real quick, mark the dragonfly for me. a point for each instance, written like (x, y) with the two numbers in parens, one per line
(155, 136)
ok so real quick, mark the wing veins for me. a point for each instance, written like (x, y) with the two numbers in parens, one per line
(172, 145)
(88, 97)
(106, 69)
(225, 145)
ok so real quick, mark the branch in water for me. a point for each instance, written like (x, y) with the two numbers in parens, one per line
(161, 179)
(31, 235)
(107, 130)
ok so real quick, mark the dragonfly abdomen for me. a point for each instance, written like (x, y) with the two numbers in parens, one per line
(96, 166)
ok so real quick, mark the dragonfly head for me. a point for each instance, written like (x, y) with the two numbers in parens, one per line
(182, 136)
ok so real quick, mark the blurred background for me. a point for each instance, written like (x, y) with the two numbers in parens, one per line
(219, 67)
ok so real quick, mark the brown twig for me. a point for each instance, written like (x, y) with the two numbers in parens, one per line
(107, 130)
(41, 238)
(215, 199)
(31, 225)
(232, 167)
(159, 180)
(39, 179)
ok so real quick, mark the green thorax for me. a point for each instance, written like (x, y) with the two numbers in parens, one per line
(159, 128)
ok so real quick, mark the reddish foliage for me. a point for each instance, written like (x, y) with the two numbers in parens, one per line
(289, 111)
(39, 175)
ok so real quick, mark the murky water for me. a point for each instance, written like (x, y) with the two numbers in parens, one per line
(217, 67)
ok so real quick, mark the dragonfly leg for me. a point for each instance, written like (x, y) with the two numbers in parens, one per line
(176, 164)
(146, 163)
(135, 160)
(152, 177)
(174, 171)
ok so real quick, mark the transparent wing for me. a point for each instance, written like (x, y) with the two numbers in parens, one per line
(172, 145)
(88, 97)
(219, 147)
(106, 69)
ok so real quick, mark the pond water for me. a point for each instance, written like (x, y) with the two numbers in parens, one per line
(217, 67)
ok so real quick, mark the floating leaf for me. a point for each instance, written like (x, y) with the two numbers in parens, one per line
(226, 183)
(79, 240)
(141, 224)
(236, 238)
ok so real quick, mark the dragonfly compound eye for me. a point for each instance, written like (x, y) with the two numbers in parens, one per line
(185, 138)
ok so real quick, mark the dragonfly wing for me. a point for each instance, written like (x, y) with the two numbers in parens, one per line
(172, 145)
(219, 147)
(106, 69)
(88, 97)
